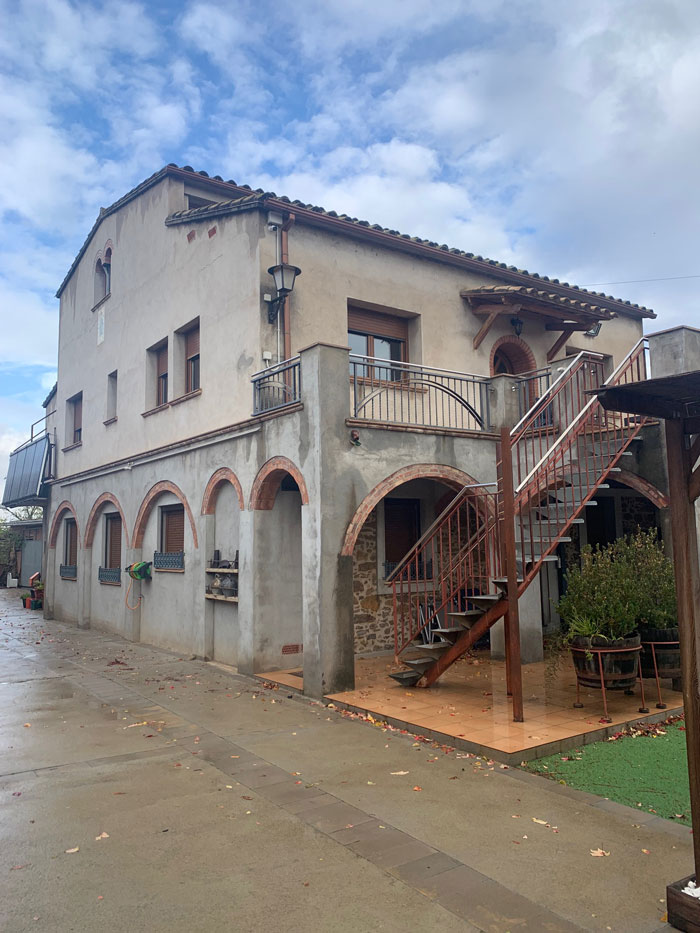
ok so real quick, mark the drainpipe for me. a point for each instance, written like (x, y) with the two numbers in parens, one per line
(289, 222)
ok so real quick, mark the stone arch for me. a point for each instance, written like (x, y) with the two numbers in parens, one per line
(437, 471)
(147, 507)
(643, 487)
(267, 483)
(519, 354)
(216, 481)
(91, 525)
(64, 507)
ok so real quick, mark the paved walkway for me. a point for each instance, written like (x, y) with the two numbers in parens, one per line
(145, 792)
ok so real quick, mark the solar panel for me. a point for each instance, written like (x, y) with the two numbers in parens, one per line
(26, 473)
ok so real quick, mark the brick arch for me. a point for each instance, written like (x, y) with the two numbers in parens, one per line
(64, 507)
(216, 481)
(147, 507)
(437, 471)
(91, 526)
(267, 483)
(643, 487)
(518, 352)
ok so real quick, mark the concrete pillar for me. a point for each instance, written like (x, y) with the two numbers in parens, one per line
(49, 579)
(674, 351)
(204, 638)
(132, 617)
(84, 586)
(250, 575)
(328, 629)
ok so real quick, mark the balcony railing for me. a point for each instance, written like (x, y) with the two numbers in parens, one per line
(531, 387)
(109, 574)
(68, 571)
(277, 386)
(419, 396)
(169, 560)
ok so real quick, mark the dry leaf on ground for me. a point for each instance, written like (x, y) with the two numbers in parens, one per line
(597, 853)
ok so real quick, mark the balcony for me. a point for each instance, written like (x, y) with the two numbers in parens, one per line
(410, 395)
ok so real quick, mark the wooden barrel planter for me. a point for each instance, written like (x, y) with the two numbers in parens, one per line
(618, 660)
(668, 656)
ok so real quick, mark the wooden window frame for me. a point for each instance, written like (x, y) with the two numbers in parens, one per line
(76, 419)
(161, 364)
(70, 543)
(112, 519)
(192, 358)
(374, 325)
(165, 511)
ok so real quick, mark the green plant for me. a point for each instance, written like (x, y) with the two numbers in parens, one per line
(25, 595)
(618, 588)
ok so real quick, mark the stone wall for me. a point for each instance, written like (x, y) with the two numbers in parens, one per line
(637, 512)
(373, 613)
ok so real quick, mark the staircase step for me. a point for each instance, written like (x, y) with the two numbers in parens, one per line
(406, 678)
(535, 540)
(436, 648)
(503, 581)
(451, 634)
(419, 664)
(553, 521)
(487, 599)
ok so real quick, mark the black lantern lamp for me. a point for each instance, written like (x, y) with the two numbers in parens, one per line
(284, 275)
(517, 325)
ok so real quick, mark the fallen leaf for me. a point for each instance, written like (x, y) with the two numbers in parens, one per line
(372, 783)
(135, 724)
(541, 822)
(102, 835)
(598, 853)
(515, 816)
(71, 851)
(396, 773)
(20, 867)
(244, 797)
(27, 725)
(16, 793)
(646, 851)
(417, 787)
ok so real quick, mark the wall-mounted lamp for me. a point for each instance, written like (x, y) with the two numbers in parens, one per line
(594, 330)
(284, 276)
(517, 325)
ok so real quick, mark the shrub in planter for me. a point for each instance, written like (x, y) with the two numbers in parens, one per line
(615, 591)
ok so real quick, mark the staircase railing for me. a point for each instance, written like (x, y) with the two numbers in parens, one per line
(562, 449)
(556, 489)
(462, 547)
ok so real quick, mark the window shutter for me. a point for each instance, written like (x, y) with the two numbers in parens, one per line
(114, 541)
(162, 361)
(401, 527)
(379, 325)
(78, 414)
(192, 342)
(72, 546)
(174, 530)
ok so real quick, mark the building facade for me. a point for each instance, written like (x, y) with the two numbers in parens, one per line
(276, 455)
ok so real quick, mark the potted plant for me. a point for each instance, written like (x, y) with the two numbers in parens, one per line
(601, 610)
(657, 614)
(25, 597)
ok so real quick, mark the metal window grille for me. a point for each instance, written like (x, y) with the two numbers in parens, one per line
(169, 560)
(109, 574)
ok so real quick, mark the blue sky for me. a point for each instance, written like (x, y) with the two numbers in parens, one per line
(560, 137)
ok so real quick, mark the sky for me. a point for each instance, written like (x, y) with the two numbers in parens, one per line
(562, 138)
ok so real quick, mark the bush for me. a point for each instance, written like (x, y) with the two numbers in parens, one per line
(619, 588)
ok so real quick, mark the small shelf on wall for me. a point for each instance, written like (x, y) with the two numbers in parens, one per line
(221, 599)
(221, 570)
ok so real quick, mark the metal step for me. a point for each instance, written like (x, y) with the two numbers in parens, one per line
(535, 540)
(551, 521)
(451, 634)
(419, 664)
(503, 581)
(436, 648)
(487, 599)
(406, 678)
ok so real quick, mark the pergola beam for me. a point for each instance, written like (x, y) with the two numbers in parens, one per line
(487, 325)
(559, 343)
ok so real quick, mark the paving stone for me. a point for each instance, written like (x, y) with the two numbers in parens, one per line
(310, 803)
(418, 870)
(400, 854)
(336, 816)
(263, 777)
(286, 794)
(491, 906)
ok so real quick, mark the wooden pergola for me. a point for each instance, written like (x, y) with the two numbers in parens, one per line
(676, 399)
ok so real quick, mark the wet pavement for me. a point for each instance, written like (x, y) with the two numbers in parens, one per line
(144, 791)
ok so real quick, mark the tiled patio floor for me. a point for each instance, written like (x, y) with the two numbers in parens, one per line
(469, 705)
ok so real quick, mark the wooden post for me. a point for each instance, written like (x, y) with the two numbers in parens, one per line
(512, 621)
(687, 572)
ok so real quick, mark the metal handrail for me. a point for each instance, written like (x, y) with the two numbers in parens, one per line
(283, 379)
(584, 411)
(418, 367)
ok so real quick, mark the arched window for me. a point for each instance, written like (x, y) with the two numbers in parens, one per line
(103, 276)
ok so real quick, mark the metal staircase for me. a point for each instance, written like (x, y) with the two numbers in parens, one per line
(492, 540)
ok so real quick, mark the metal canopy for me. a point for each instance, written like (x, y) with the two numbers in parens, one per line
(26, 473)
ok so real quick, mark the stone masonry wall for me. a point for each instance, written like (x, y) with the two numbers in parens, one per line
(373, 613)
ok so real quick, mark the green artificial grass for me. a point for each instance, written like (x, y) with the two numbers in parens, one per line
(646, 769)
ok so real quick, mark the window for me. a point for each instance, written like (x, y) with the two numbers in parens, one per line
(111, 411)
(103, 277)
(69, 567)
(192, 360)
(161, 359)
(172, 539)
(401, 530)
(382, 336)
(113, 541)
(75, 419)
